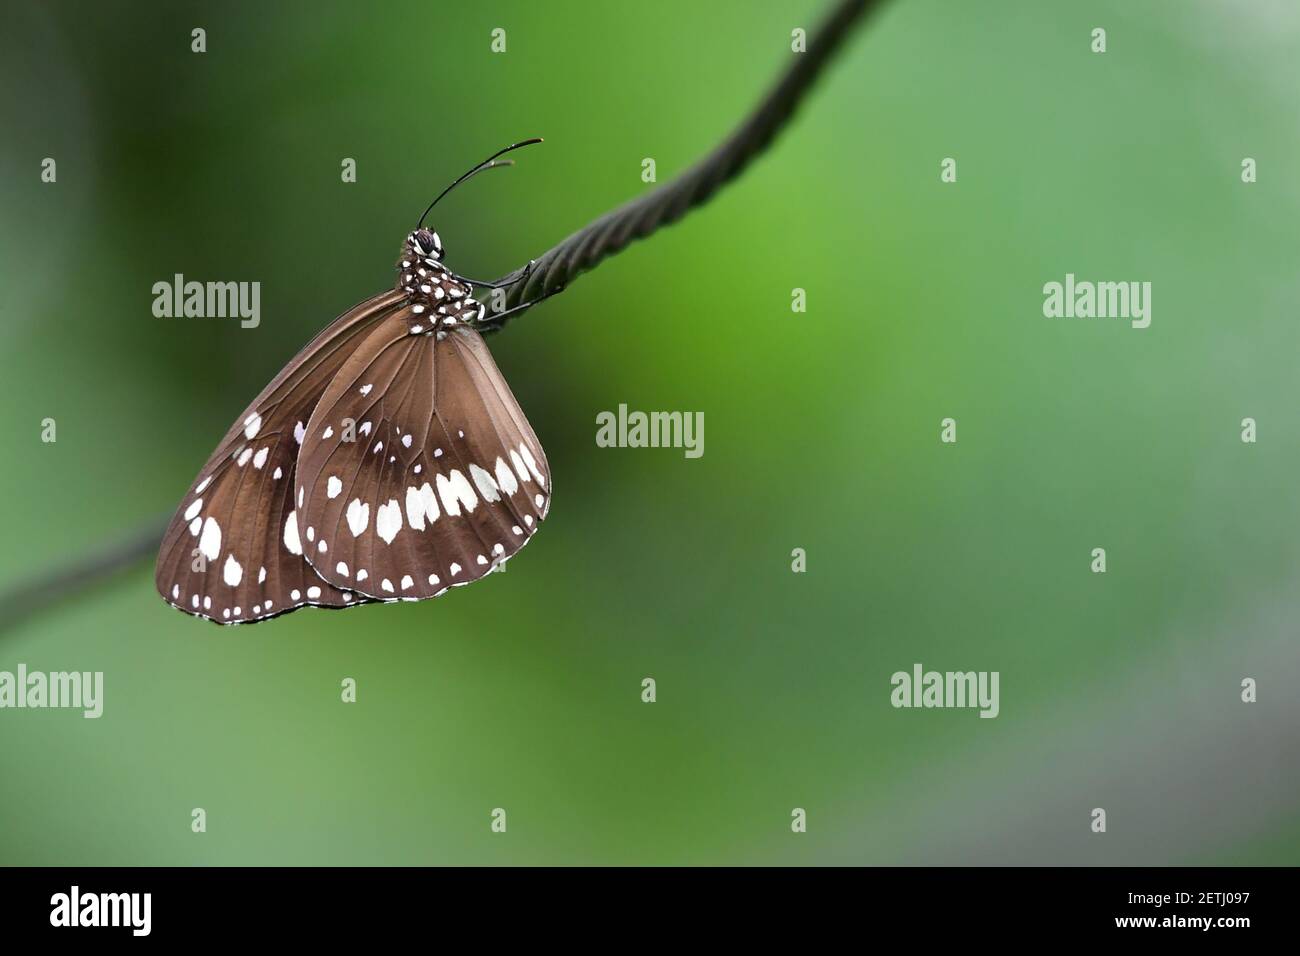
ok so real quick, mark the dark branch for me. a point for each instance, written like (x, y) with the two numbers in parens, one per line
(19, 602)
(551, 273)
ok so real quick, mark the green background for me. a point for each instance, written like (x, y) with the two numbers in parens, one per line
(1119, 690)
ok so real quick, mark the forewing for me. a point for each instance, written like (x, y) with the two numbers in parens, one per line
(231, 552)
(445, 479)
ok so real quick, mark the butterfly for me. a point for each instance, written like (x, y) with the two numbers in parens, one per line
(387, 461)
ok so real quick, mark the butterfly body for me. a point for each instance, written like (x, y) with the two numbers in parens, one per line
(387, 461)
(439, 300)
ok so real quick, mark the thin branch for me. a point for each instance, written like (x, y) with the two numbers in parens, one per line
(21, 601)
(551, 272)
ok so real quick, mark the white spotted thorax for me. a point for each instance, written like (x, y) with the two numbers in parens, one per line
(439, 301)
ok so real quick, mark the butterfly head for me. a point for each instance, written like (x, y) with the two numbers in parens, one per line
(419, 267)
(425, 244)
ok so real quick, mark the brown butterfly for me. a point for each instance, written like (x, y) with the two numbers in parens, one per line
(387, 461)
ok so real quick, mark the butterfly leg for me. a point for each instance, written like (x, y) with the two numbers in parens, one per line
(523, 276)
(494, 319)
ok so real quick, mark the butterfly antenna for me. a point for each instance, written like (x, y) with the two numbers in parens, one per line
(489, 163)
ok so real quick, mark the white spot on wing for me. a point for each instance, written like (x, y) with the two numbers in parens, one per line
(455, 490)
(407, 582)
(414, 508)
(260, 458)
(210, 540)
(388, 521)
(430, 502)
(532, 464)
(244, 455)
(506, 478)
(485, 484)
(232, 573)
(358, 517)
(313, 593)
(299, 431)
(291, 534)
(520, 469)
(342, 568)
(195, 507)
(333, 487)
(252, 425)
(203, 484)
(365, 389)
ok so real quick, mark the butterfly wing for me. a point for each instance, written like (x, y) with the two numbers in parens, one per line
(238, 515)
(445, 478)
